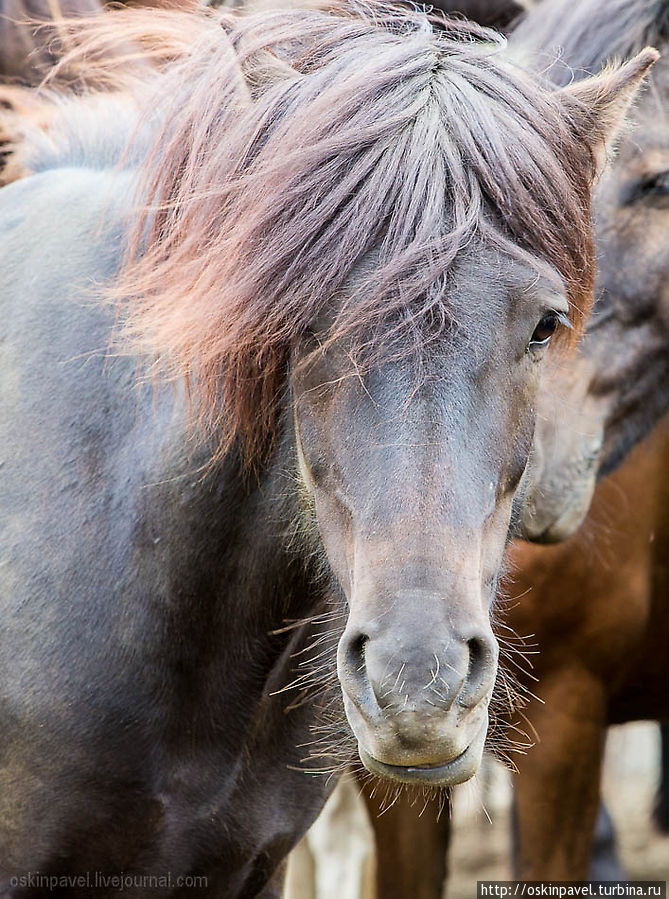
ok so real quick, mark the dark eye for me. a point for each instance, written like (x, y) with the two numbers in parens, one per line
(653, 187)
(544, 330)
(657, 184)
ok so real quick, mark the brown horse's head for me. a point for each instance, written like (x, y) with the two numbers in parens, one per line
(611, 394)
(364, 234)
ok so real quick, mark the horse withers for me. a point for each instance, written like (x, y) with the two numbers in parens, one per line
(354, 328)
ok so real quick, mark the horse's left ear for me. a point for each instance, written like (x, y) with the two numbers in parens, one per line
(598, 106)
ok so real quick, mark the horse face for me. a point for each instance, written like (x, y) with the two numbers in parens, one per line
(562, 474)
(412, 464)
(609, 397)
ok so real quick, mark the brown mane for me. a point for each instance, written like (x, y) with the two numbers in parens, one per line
(294, 144)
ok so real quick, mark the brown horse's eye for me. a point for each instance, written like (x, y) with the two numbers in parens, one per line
(544, 330)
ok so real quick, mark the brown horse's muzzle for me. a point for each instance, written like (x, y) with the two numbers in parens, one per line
(417, 679)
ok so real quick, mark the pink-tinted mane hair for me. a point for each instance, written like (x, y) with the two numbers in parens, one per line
(293, 145)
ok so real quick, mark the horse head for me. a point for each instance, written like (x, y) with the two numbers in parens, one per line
(612, 393)
(375, 232)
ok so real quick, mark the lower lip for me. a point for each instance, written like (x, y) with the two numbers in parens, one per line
(458, 770)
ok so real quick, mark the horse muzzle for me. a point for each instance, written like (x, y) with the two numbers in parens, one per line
(419, 716)
(449, 772)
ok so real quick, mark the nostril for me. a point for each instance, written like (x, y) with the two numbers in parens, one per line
(355, 652)
(476, 655)
(352, 668)
(481, 660)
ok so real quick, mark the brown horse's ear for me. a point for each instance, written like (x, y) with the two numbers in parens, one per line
(598, 106)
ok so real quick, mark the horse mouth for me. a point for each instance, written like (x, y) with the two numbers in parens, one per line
(568, 521)
(442, 774)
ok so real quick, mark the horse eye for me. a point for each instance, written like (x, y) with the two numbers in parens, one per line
(651, 188)
(656, 184)
(544, 331)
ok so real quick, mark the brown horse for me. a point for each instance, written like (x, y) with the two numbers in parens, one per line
(27, 52)
(598, 607)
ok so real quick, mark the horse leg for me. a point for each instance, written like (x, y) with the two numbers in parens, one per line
(604, 864)
(557, 789)
(411, 845)
(341, 841)
(661, 810)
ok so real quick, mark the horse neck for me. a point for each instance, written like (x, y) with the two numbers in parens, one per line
(216, 546)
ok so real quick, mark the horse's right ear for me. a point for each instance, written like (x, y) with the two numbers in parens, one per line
(597, 106)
